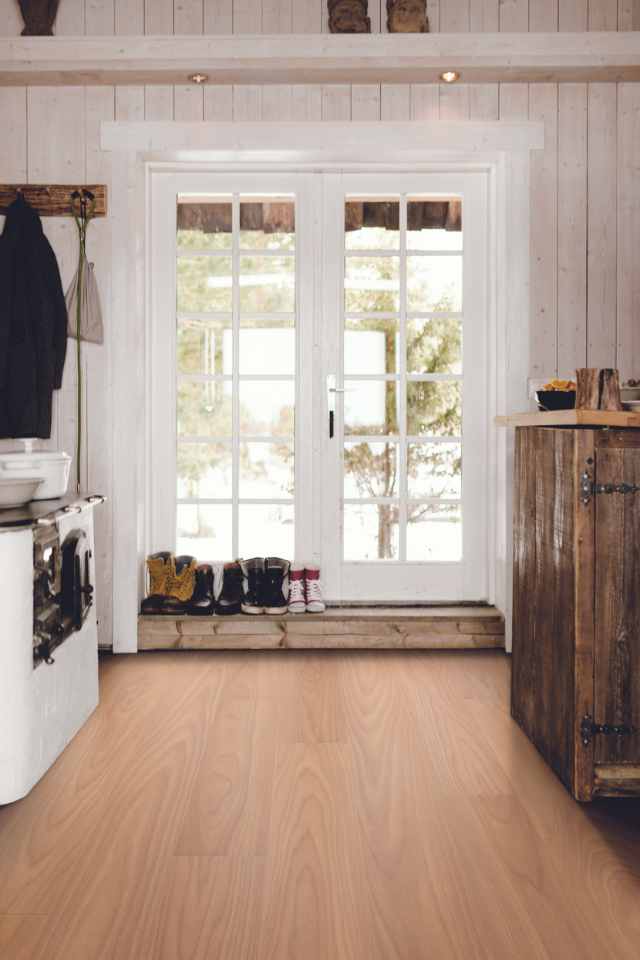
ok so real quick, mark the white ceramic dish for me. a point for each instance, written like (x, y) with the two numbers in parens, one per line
(18, 492)
(52, 468)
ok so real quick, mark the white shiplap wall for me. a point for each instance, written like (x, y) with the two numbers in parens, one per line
(585, 232)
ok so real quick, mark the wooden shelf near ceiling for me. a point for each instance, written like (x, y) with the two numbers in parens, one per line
(317, 58)
(347, 628)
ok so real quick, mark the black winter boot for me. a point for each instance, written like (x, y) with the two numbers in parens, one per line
(202, 603)
(275, 587)
(253, 571)
(230, 600)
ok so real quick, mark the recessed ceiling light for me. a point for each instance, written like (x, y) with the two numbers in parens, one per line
(450, 76)
(199, 78)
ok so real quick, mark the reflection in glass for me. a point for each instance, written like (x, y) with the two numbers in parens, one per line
(372, 284)
(267, 284)
(265, 348)
(434, 533)
(204, 409)
(204, 284)
(370, 345)
(266, 471)
(204, 471)
(434, 469)
(434, 408)
(370, 531)
(204, 225)
(266, 530)
(370, 470)
(204, 346)
(267, 408)
(370, 407)
(434, 346)
(267, 224)
(434, 284)
(434, 225)
(204, 531)
(372, 224)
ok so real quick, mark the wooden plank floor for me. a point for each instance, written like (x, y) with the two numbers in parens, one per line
(312, 806)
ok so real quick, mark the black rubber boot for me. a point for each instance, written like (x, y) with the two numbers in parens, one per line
(275, 586)
(202, 603)
(230, 600)
(253, 571)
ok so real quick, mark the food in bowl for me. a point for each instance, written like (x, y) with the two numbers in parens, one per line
(557, 395)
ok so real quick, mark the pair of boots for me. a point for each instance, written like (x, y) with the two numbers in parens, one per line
(254, 586)
(305, 590)
(178, 586)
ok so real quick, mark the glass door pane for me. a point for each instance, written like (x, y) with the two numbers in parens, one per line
(236, 375)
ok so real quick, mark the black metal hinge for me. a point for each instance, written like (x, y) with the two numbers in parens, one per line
(589, 729)
(588, 488)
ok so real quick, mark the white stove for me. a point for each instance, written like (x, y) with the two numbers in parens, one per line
(48, 636)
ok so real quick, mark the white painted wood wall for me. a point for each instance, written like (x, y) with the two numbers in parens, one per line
(585, 234)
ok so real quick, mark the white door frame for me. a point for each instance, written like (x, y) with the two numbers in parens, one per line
(502, 149)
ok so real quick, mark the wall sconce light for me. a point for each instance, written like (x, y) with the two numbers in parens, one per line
(199, 78)
(449, 76)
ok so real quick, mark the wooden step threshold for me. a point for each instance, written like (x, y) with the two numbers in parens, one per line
(616, 780)
(339, 628)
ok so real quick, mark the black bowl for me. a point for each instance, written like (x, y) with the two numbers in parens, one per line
(556, 399)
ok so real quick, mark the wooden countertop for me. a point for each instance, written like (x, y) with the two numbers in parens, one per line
(571, 418)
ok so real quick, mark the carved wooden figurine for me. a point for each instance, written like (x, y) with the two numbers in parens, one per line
(407, 16)
(349, 16)
(39, 17)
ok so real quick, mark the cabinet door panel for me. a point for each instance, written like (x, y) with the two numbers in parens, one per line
(617, 667)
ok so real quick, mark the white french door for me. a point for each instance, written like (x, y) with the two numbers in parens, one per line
(318, 357)
(406, 356)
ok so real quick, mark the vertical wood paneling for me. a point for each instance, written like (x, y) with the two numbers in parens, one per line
(514, 16)
(628, 346)
(425, 101)
(573, 15)
(188, 103)
(70, 19)
(218, 103)
(247, 102)
(130, 17)
(395, 101)
(276, 102)
(484, 101)
(514, 101)
(572, 226)
(454, 16)
(602, 222)
(433, 12)
(484, 16)
(277, 16)
(158, 17)
(11, 22)
(188, 16)
(336, 102)
(158, 103)
(306, 102)
(129, 103)
(218, 16)
(99, 17)
(628, 14)
(603, 14)
(543, 16)
(543, 106)
(454, 101)
(307, 16)
(247, 16)
(99, 106)
(365, 101)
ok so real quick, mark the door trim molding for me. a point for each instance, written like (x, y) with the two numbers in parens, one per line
(501, 148)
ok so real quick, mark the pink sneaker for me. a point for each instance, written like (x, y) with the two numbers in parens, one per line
(315, 603)
(297, 603)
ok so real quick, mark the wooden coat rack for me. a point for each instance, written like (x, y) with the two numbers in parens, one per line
(52, 200)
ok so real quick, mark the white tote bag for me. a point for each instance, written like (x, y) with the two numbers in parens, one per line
(91, 328)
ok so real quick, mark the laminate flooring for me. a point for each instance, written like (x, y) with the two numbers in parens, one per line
(312, 806)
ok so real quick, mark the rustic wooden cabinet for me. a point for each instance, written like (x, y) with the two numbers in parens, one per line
(576, 616)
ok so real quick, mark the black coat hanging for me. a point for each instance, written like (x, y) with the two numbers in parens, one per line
(33, 325)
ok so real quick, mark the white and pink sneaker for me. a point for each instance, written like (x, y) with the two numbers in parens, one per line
(315, 602)
(297, 598)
